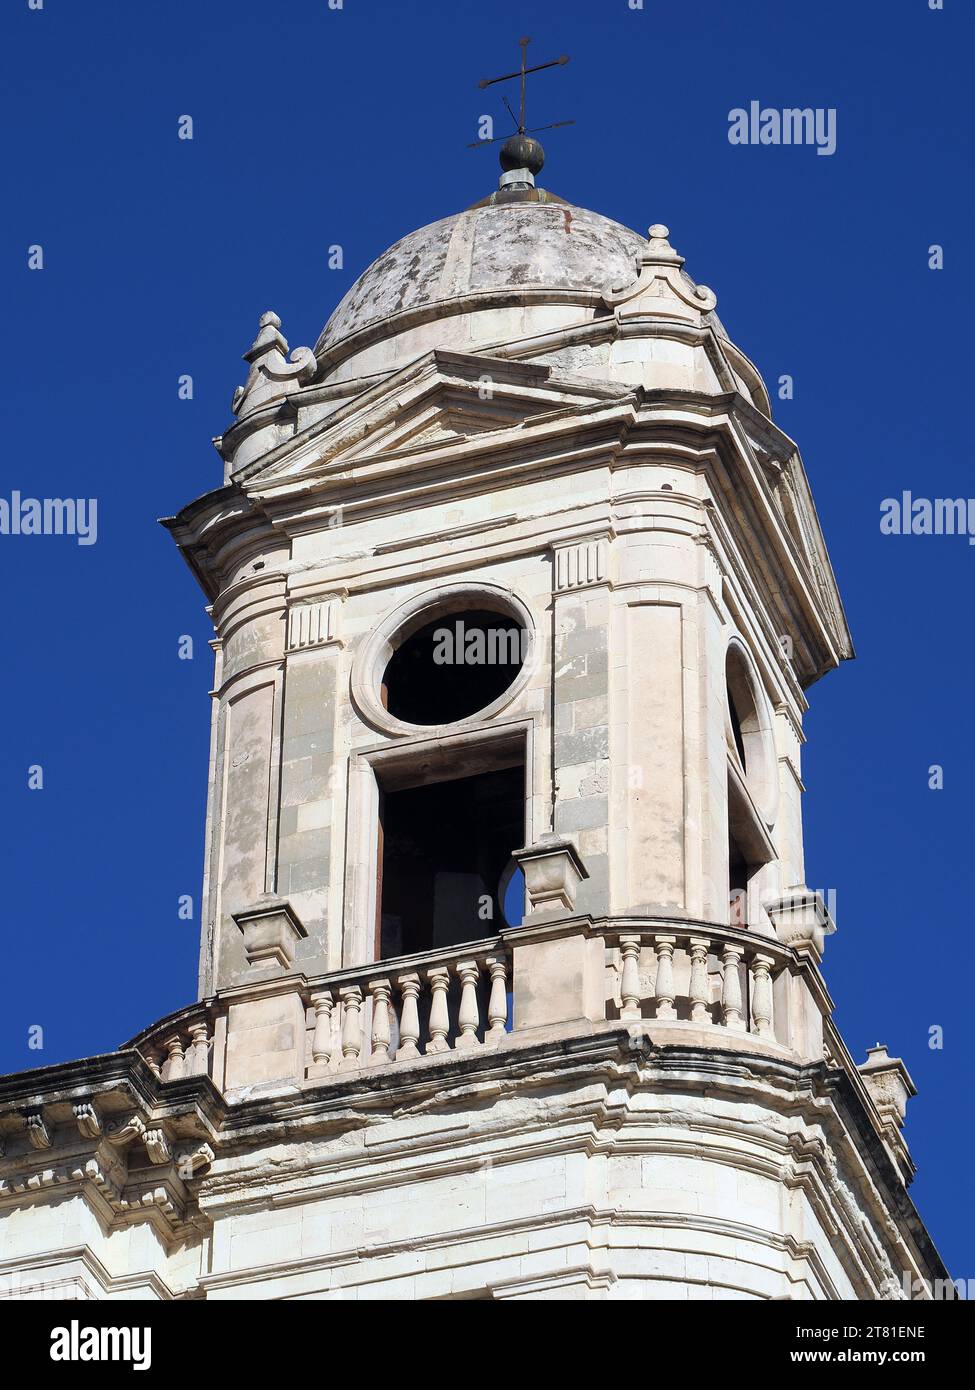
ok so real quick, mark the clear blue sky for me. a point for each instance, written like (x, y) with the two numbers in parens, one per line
(314, 127)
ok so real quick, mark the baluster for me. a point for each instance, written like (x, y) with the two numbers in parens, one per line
(409, 1023)
(699, 992)
(498, 1001)
(731, 988)
(152, 1060)
(175, 1064)
(664, 987)
(351, 997)
(380, 991)
(439, 979)
(321, 1043)
(762, 995)
(630, 977)
(198, 1055)
(468, 1017)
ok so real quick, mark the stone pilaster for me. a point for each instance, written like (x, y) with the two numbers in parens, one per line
(309, 774)
(580, 680)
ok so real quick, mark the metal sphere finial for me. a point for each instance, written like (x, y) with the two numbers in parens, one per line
(522, 152)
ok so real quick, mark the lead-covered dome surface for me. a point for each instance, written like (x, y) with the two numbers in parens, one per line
(500, 249)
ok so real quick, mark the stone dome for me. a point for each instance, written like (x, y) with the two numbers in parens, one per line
(500, 272)
(506, 252)
(517, 269)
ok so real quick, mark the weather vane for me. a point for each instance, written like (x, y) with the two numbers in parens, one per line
(522, 74)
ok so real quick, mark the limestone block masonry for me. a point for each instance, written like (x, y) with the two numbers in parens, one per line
(530, 418)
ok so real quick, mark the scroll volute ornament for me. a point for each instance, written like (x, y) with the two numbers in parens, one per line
(272, 374)
(660, 286)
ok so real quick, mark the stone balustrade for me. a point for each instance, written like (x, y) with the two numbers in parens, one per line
(725, 979)
(397, 1011)
(566, 973)
(181, 1045)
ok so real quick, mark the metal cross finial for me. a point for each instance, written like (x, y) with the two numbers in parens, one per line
(522, 73)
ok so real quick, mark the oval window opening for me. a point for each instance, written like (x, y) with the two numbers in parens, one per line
(453, 666)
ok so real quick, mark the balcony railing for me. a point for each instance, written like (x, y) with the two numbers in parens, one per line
(668, 973)
(384, 1012)
(395, 1011)
(668, 977)
(709, 978)
(181, 1044)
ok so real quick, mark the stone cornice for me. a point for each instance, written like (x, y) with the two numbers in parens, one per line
(125, 1074)
(94, 1113)
(608, 426)
(29, 1271)
(452, 375)
(213, 529)
(608, 1057)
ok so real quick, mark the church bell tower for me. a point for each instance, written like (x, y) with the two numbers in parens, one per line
(510, 976)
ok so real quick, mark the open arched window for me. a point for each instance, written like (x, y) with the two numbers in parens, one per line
(451, 787)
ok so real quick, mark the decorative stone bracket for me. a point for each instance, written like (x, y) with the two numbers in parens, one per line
(312, 624)
(157, 1146)
(581, 564)
(121, 1133)
(88, 1120)
(38, 1131)
(157, 1193)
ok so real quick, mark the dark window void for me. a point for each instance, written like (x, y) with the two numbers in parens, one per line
(446, 849)
(452, 667)
(736, 729)
(740, 871)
